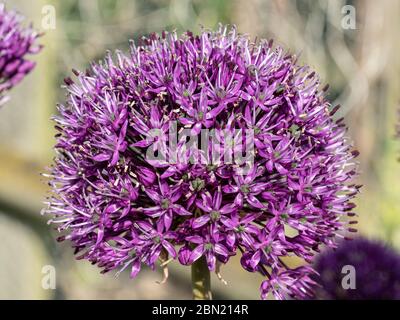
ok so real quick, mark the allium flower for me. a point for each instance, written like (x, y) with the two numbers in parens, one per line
(16, 42)
(121, 208)
(376, 267)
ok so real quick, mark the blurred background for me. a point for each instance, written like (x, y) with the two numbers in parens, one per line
(362, 66)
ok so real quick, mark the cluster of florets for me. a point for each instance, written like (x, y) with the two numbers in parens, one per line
(16, 42)
(360, 269)
(121, 208)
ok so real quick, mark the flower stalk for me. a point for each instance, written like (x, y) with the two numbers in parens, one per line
(201, 282)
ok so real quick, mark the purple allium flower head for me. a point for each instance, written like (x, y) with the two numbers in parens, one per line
(121, 208)
(376, 267)
(16, 42)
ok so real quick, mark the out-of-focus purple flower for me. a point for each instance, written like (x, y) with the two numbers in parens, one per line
(120, 208)
(376, 271)
(16, 42)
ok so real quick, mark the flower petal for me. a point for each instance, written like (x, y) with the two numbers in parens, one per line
(200, 221)
(196, 253)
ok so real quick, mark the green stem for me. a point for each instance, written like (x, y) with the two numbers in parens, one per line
(201, 283)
